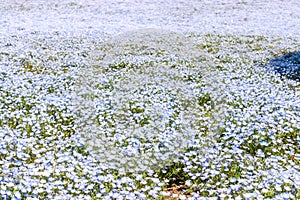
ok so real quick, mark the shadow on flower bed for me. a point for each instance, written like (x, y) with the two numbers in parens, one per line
(287, 65)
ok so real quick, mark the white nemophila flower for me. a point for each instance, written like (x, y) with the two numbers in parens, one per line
(239, 197)
(264, 190)
(264, 143)
(248, 195)
(287, 188)
(284, 195)
(278, 188)
(3, 187)
(10, 184)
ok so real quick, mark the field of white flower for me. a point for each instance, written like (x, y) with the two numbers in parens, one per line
(204, 113)
(209, 110)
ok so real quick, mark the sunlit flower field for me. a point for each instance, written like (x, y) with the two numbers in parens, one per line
(161, 116)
